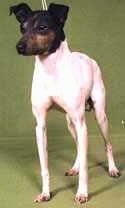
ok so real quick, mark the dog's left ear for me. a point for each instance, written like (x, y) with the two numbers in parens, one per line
(21, 11)
(59, 11)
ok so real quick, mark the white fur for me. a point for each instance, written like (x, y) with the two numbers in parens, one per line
(68, 79)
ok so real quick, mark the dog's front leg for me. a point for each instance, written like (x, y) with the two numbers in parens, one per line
(81, 129)
(41, 138)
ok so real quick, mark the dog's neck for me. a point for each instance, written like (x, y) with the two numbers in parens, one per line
(52, 63)
(57, 55)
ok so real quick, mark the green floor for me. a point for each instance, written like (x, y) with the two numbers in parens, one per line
(96, 28)
(20, 173)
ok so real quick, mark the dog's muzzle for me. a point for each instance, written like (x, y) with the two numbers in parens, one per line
(23, 49)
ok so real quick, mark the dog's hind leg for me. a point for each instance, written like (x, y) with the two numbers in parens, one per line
(75, 168)
(103, 125)
(98, 98)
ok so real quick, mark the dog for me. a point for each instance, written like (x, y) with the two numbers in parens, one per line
(66, 81)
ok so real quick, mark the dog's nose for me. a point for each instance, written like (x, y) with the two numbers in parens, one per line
(21, 47)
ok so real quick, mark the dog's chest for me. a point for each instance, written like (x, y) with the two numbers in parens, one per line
(63, 81)
(62, 78)
(58, 81)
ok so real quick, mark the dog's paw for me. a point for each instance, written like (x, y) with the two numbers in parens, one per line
(43, 197)
(81, 198)
(72, 172)
(114, 172)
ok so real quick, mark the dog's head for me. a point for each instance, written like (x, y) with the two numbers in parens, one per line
(42, 31)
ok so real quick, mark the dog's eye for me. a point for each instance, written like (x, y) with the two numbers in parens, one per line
(43, 28)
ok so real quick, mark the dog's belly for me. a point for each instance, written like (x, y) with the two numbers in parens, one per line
(88, 106)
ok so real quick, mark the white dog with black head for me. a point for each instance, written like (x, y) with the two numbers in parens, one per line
(65, 79)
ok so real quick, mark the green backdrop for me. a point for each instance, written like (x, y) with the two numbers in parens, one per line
(95, 27)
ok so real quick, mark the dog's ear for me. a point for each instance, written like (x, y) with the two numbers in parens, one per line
(59, 11)
(22, 12)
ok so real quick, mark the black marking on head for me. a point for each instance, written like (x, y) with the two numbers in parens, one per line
(22, 12)
(59, 11)
(42, 30)
(42, 21)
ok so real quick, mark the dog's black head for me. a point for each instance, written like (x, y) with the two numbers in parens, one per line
(42, 30)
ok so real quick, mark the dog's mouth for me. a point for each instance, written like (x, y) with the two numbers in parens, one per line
(22, 49)
(34, 52)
